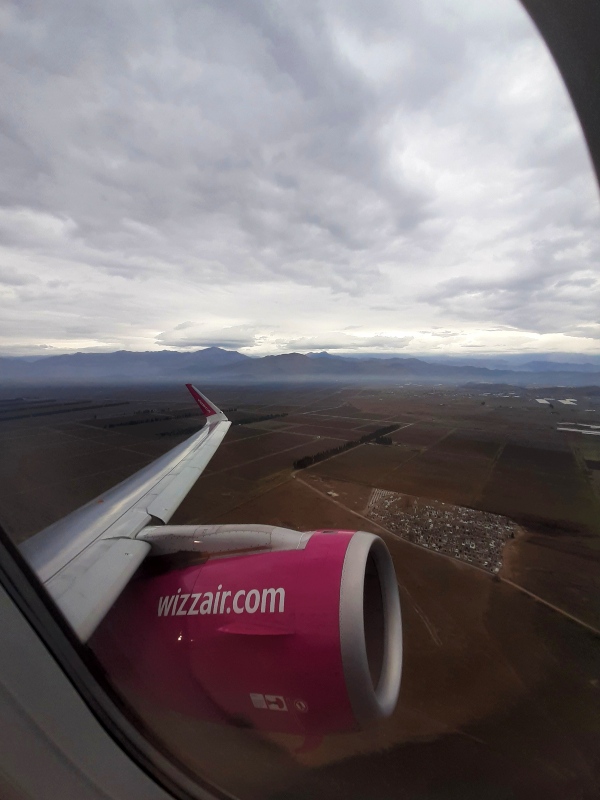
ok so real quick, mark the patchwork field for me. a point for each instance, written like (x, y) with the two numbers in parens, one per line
(535, 483)
(500, 691)
(417, 435)
(435, 463)
(368, 464)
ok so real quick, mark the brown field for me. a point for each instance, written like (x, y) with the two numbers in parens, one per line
(541, 483)
(367, 463)
(342, 434)
(353, 423)
(445, 468)
(333, 424)
(467, 443)
(237, 432)
(264, 446)
(270, 425)
(351, 496)
(343, 411)
(419, 435)
(453, 469)
(281, 461)
(291, 505)
(354, 414)
(322, 419)
(500, 696)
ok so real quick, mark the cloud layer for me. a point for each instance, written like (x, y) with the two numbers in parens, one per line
(340, 175)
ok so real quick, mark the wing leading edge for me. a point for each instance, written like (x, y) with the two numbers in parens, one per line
(86, 559)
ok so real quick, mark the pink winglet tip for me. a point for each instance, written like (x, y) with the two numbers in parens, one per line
(207, 409)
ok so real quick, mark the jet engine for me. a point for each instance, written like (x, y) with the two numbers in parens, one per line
(260, 626)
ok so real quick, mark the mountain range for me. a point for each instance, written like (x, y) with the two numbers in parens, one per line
(216, 365)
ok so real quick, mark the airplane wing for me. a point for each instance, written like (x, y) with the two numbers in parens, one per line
(324, 605)
(86, 559)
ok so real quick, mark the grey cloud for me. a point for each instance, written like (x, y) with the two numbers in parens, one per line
(538, 301)
(585, 332)
(585, 283)
(28, 350)
(387, 342)
(441, 334)
(80, 331)
(239, 336)
(344, 342)
(276, 172)
(8, 277)
(501, 328)
(155, 154)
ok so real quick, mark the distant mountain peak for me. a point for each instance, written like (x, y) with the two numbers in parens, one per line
(217, 364)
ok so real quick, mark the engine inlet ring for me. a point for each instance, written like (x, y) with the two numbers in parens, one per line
(370, 702)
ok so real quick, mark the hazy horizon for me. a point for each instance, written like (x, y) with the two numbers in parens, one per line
(491, 357)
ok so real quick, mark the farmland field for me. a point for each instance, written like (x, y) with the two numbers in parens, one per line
(496, 684)
(368, 464)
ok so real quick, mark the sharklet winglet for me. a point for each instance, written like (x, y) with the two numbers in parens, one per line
(208, 409)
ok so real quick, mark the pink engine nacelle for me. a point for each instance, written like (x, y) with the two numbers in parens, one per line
(274, 629)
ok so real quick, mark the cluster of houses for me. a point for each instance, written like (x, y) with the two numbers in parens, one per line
(473, 536)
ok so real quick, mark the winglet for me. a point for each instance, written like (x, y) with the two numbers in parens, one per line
(208, 409)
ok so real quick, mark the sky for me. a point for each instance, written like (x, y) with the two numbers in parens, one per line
(382, 177)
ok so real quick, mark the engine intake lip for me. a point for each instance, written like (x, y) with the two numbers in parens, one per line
(369, 702)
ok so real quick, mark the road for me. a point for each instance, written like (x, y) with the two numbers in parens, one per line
(384, 530)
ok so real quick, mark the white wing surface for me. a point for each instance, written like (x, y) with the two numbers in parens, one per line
(86, 559)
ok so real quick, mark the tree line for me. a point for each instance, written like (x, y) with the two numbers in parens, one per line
(379, 434)
(137, 421)
(63, 410)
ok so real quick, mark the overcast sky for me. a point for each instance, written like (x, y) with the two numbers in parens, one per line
(369, 176)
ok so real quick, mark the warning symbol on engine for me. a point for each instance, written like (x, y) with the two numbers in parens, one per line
(258, 700)
(301, 705)
(275, 702)
(272, 702)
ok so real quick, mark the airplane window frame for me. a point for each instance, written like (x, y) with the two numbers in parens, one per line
(78, 663)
